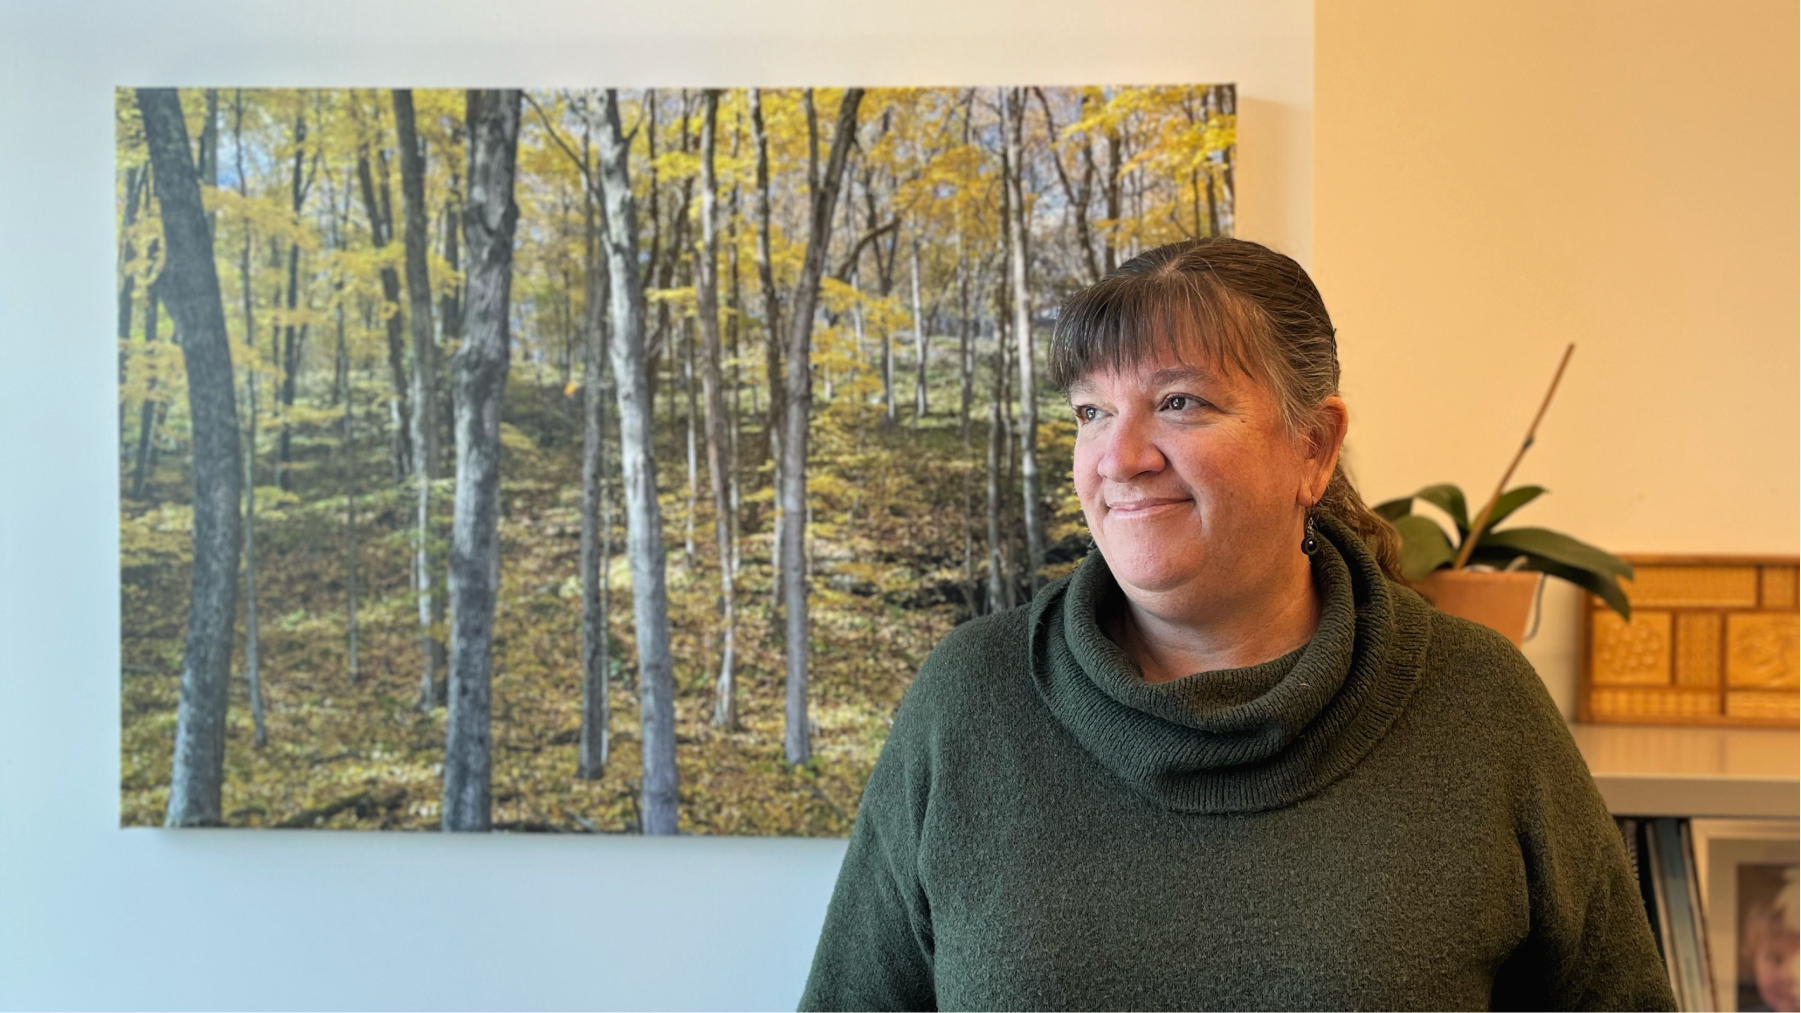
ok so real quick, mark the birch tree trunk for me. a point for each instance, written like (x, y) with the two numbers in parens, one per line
(1012, 106)
(706, 277)
(798, 397)
(189, 286)
(252, 637)
(595, 739)
(1000, 589)
(1000, 570)
(425, 392)
(644, 522)
(480, 371)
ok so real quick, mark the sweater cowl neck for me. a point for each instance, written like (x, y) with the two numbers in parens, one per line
(1240, 739)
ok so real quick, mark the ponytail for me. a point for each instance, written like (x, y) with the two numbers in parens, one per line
(1342, 502)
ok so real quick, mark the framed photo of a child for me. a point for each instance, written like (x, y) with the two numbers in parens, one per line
(1749, 872)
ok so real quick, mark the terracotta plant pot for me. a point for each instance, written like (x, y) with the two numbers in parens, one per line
(1499, 600)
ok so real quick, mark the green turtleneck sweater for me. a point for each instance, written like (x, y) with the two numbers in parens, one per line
(1393, 816)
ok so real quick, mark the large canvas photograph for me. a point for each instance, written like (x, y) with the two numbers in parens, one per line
(597, 460)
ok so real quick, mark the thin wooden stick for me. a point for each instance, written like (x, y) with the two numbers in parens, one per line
(1481, 522)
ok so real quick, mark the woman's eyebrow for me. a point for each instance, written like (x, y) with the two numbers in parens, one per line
(1177, 374)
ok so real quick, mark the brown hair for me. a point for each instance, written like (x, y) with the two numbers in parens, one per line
(1248, 307)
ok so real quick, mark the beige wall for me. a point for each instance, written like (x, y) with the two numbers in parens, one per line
(1493, 180)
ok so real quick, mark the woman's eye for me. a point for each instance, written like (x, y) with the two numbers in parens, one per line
(1087, 413)
(1178, 402)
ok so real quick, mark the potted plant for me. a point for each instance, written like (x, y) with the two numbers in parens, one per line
(1490, 576)
(1495, 581)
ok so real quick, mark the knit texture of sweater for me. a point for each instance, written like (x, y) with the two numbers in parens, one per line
(1393, 816)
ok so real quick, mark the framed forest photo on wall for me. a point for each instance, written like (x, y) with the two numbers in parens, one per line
(594, 461)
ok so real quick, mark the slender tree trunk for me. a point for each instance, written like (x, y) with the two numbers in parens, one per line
(291, 335)
(381, 230)
(857, 327)
(798, 397)
(772, 300)
(692, 436)
(189, 285)
(772, 348)
(919, 344)
(1000, 589)
(136, 179)
(644, 523)
(450, 322)
(1115, 159)
(252, 635)
(706, 276)
(480, 371)
(425, 390)
(965, 346)
(596, 532)
(252, 643)
(734, 427)
(1012, 106)
(1000, 568)
(594, 742)
(347, 445)
(890, 412)
(147, 412)
(450, 307)
(1223, 100)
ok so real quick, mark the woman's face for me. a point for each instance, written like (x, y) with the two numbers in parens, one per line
(1191, 484)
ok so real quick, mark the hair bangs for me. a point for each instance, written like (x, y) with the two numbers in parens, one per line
(1132, 315)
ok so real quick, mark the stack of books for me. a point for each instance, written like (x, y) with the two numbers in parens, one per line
(1662, 850)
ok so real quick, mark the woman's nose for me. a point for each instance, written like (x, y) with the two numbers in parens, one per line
(1129, 451)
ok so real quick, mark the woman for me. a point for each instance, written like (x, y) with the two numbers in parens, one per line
(1230, 761)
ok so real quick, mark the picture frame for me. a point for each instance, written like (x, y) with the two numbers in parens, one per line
(1746, 867)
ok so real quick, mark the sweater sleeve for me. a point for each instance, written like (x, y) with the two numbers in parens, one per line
(1590, 944)
(875, 950)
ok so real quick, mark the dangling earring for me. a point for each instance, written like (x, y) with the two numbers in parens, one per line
(1310, 543)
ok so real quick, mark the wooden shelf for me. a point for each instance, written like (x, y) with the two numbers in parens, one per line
(1656, 770)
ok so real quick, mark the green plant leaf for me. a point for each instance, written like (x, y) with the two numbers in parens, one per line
(1512, 500)
(1448, 498)
(1424, 547)
(1604, 585)
(1561, 549)
(1394, 509)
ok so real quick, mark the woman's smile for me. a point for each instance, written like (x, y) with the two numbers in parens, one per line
(1144, 507)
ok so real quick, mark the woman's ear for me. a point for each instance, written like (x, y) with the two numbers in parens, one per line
(1331, 420)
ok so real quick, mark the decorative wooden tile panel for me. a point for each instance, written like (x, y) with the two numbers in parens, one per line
(1713, 640)
(1635, 653)
(1698, 649)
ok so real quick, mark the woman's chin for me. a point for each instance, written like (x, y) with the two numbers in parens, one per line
(1149, 568)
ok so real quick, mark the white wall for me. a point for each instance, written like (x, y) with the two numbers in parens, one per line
(1495, 180)
(95, 916)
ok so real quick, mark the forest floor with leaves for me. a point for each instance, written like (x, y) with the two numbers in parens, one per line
(888, 555)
